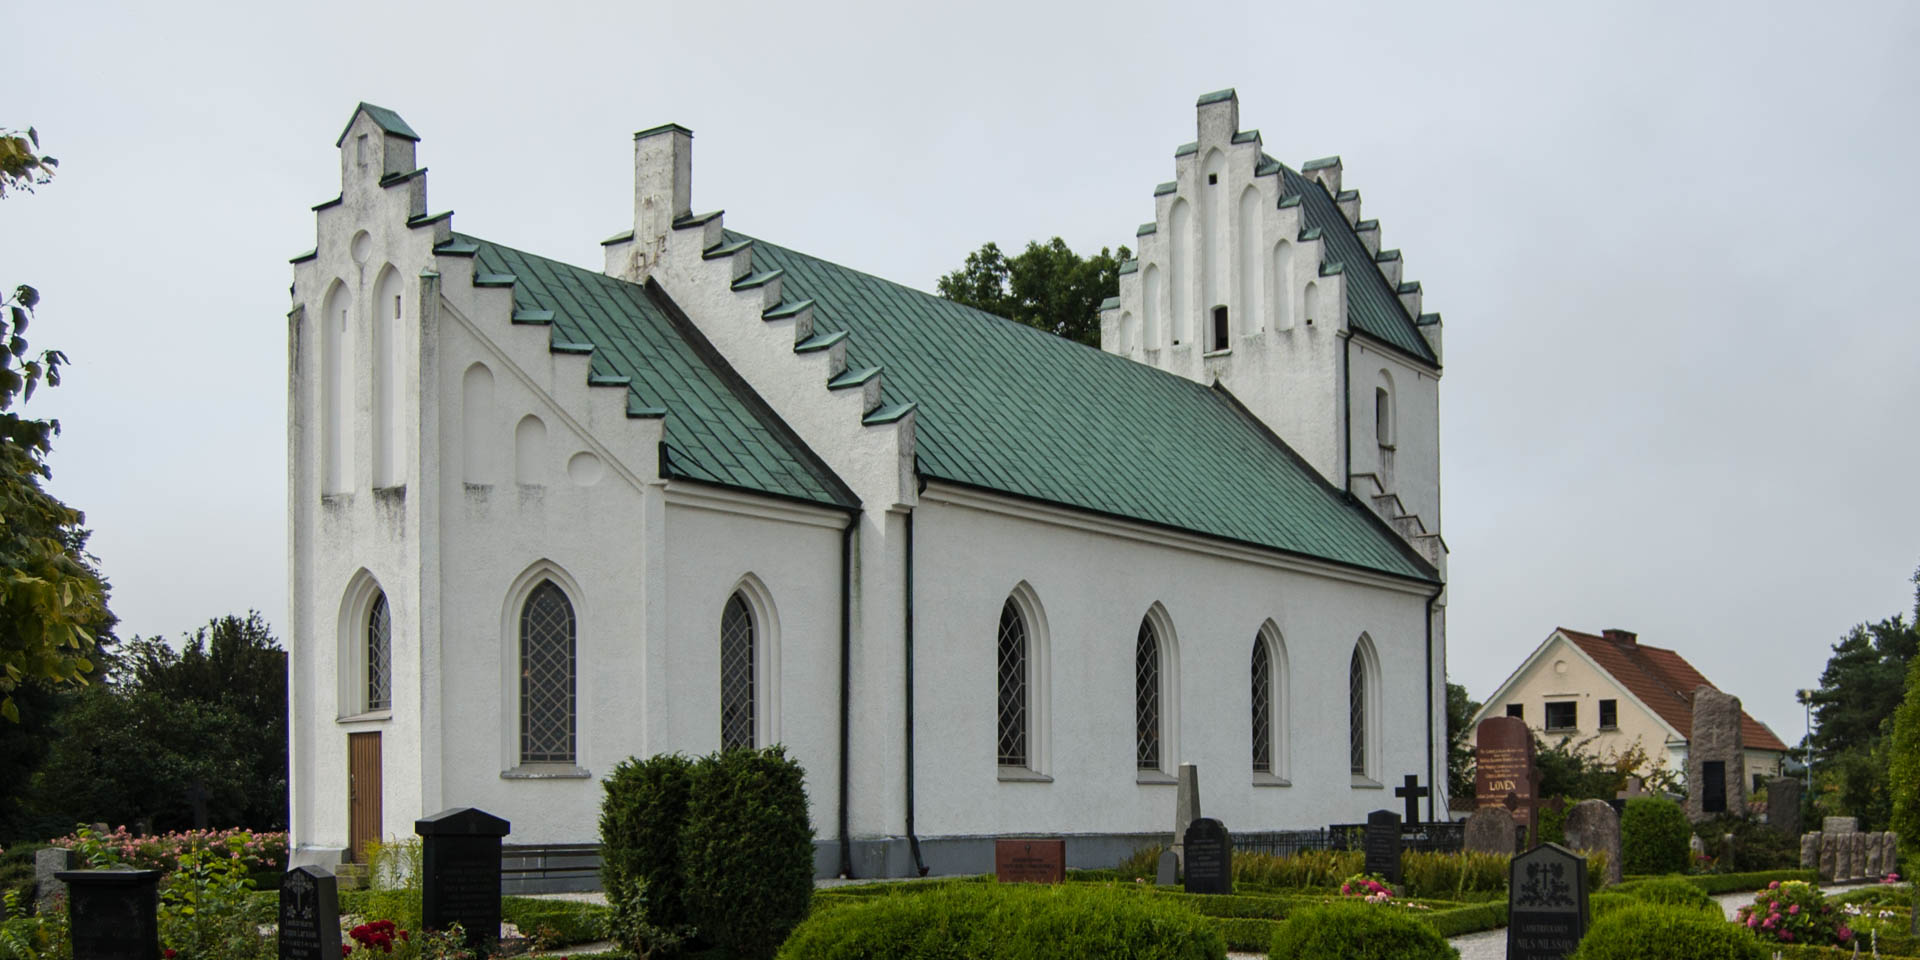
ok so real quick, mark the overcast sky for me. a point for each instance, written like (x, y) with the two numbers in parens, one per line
(1673, 244)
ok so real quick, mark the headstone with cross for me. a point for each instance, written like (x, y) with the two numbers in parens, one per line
(1411, 791)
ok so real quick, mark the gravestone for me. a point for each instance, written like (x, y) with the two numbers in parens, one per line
(1546, 903)
(1592, 825)
(1783, 805)
(1490, 830)
(1169, 872)
(1383, 844)
(1716, 756)
(1810, 851)
(48, 864)
(1842, 855)
(460, 867)
(1504, 775)
(1860, 855)
(1872, 859)
(1829, 855)
(1839, 824)
(1411, 791)
(1186, 807)
(1209, 867)
(113, 914)
(1030, 861)
(309, 915)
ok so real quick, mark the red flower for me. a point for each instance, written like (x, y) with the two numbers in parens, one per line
(345, 950)
(169, 953)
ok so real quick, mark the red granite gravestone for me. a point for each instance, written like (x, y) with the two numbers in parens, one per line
(1504, 775)
(1030, 861)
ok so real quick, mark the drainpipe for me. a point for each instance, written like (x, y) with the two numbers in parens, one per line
(1433, 787)
(913, 841)
(846, 684)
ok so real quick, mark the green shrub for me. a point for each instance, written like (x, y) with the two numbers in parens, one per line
(564, 922)
(1674, 892)
(1653, 836)
(1671, 933)
(402, 906)
(747, 850)
(1144, 864)
(641, 815)
(1452, 875)
(989, 921)
(1468, 919)
(1718, 883)
(1553, 820)
(1357, 931)
(1794, 912)
(1601, 904)
(1756, 846)
(1308, 868)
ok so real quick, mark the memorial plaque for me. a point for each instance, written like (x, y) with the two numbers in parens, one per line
(1503, 768)
(1713, 786)
(309, 915)
(1030, 861)
(1546, 903)
(1383, 844)
(113, 914)
(460, 866)
(1209, 857)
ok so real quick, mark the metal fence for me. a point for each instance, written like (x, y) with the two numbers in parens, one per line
(1282, 843)
(1435, 837)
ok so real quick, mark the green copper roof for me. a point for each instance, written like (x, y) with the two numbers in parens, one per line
(717, 429)
(1013, 409)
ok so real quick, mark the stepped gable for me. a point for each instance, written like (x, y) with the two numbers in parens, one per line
(1665, 682)
(717, 429)
(1008, 408)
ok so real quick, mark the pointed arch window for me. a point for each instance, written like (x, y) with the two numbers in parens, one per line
(736, 674)
(1357, 712)
(1263, 676)
(1013, 690)
(380, 655)
(547, 709)
(1146, 697)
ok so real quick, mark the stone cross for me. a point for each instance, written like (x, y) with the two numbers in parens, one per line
(1411, 791)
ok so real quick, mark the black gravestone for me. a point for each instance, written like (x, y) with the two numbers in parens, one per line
(1383, 844)
(309, 915)
(1713, 791)
(1546, 903)
(1209, 857)
(460, 861)
(114, 914)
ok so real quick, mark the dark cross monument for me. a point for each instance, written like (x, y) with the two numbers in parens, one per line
(1411, 791)
(1209, 857)
(1030, 861)
(1383, 844)
(1503, 765)
(114, 914)
(460, 861)
(309, 915)
(1546, 903)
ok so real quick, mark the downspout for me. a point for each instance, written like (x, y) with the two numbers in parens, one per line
(1346, 416)
(1433, 786)
(913, 841)
(846, 684)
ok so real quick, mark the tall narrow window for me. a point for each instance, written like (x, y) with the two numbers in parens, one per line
(1357, 712)
(1220, 338)
(379, 655)
(1262, 706)
(547, 676)
(1146, 697)
(1383, 416)
(1013, 687)
(736, 675)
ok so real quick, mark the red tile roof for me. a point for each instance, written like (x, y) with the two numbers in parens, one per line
(1665, 682)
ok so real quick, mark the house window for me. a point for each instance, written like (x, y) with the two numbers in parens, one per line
(1609, 714)
(1013, 686)
(546, 676)
(1517, 711)
(1561, 715)
(1262, 706)
(379, 655)
(1357, 712)
(1146, 697)
(1220, 339)
(736, 675)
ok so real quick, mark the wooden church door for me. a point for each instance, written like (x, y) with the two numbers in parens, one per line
(363, 793)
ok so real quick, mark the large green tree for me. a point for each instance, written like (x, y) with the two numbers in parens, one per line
(1047, 286)
(1861, 688)
(1460, 711)
(1903, 768)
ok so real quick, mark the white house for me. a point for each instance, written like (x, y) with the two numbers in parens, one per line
(979, 580)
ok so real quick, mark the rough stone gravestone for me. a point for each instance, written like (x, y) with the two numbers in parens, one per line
(1810, 851)
(1843, 855)
(1503, 764)
(1489, 830)
(1872, 860)
(1546, 903)
(1592, 825)
(1186, 807)
(48, 864)
(1209, 857)
(309, 915)
(460, 867)
(1783, 805)
(1859, 855)
(1411, 791)
(1168, 873)
(1030, 861)
(1716, 756)
(1383, 844)
(113, 914)
(1829, 855)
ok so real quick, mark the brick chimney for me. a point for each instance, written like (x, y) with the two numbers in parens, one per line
(1625, 638)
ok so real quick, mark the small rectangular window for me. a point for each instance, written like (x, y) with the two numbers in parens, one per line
(1609, 714)
(1220, 328)
(1516, 711)
(1560, 716)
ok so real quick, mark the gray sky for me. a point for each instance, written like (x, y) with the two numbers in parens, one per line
(1673, 243)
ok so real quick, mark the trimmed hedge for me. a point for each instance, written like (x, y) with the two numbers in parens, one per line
(1675, 892)
(747, 850)
(1671, 933)
(640, 819)
(1653, 836)
(1718, 883)
(1356, 931)
(979, 921)
(566, 921)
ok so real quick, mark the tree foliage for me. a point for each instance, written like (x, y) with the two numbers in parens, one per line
(1852, 746)
(1047, 286)
(1903, 770)
(1460, 711)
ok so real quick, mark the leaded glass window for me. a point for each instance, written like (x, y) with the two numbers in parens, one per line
(546, 676)
(1013, 687)
(1262, 706)
(1357, 712)
(736, 675)
(1146, 697)
(379, 655)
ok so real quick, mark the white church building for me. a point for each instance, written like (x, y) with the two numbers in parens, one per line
(980, 581)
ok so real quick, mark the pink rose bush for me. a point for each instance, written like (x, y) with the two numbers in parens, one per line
(162, 851)
(1794, 912)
